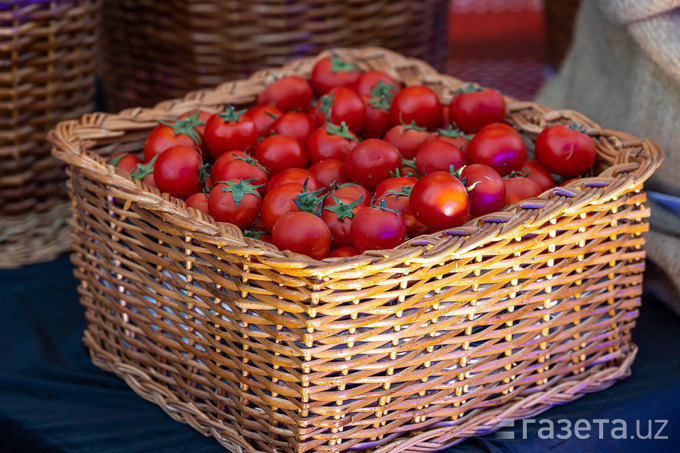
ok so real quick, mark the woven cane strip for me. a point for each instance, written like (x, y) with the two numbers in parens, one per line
(46, 76)
(298, 355)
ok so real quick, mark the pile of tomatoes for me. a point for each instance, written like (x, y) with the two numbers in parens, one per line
(349, 160)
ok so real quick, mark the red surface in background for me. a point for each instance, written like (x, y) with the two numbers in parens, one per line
(499, 49)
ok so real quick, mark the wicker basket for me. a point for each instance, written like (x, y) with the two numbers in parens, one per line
(404, 350)
(46, 53)
(155, 50)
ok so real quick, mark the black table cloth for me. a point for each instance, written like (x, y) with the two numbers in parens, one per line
(52, 399)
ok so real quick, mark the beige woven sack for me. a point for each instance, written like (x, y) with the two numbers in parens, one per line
(623, 71)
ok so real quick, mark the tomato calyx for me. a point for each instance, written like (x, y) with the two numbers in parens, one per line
(251, 160)
(144, 170)
(340, 65)
(469, 88)
(240, 189)
(404, 192)
(194, 119)
(186, 127)
(203, 173)
(325, 103)
(382, 95)
(341, 131)
(410, 163)
(578, 128)
(518, 174)
(230, 114)
(252, 233)
(271, 115)
(454, 132)
(412, 126)
(383, 207)
(116, 160)
(310, 201)
(342, 209)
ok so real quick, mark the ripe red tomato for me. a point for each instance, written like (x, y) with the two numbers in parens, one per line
(377, 118)
(295, 124)
(290, 197)
(498, 146)
(518, 189)
(565, 151)
(176, 171)
(125, 161)
(344, 252)
(198, 201)
(330, 142)
(296, 175)
(229, 131)
(395, 193)
(368, 81)
(236, 202)
(438, 155)
(287, 93)
(416, 103)
(329, 172)
(263, 116)
(534, 171)
(333, 71)
(226, 168)
(344, 106)
(372, 161)
(169, 134)
(349, 192)
(339, 218)
(485, 187)
(407, 139)
(473, 108)
(439, 201)
(377, 229)
(278, 152)
(302, 232)
(451, 135)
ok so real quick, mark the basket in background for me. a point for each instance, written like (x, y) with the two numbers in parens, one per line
(156, 50)
(46, 76)
(411, 349)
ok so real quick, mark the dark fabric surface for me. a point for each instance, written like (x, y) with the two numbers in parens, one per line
(52, 399)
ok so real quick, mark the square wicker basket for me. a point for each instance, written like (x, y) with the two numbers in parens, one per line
(404, 350)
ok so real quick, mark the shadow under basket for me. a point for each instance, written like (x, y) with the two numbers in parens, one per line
(411, 349)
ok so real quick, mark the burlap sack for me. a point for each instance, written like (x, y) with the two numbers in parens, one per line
(623, 71)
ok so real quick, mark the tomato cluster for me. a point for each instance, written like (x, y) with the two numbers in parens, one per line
(351, 160)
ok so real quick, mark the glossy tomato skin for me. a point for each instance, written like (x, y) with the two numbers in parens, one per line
(264, 116)
(472, 110)
(498, 146)
(538, 174)
(333, 71)
(406, 139)
(176, 171)
(390, 191)
(439, 201)
(287, 93)
(368, 81)
(230, 131)
(330, 142)
(278, 152)
(350, 192)
(565, 151)
(163, 137)
(198, 201)
(328, 172)
(377, 121)
(302, 232)
(486, 189)
(294, 175)
(371, 162)
(125, 161)
(377, 229)
(277, 202)
(339, 219)
(344, 106)
(416, 103)
(344, 252)
(224, 208)
(518, 189)
(294, 124)
(438, 155)
(235, 169)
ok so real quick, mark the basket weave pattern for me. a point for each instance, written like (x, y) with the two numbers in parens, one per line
(410, 349)
(156, 50)
(46, 56)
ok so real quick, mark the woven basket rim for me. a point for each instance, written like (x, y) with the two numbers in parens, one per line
(72, 142)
